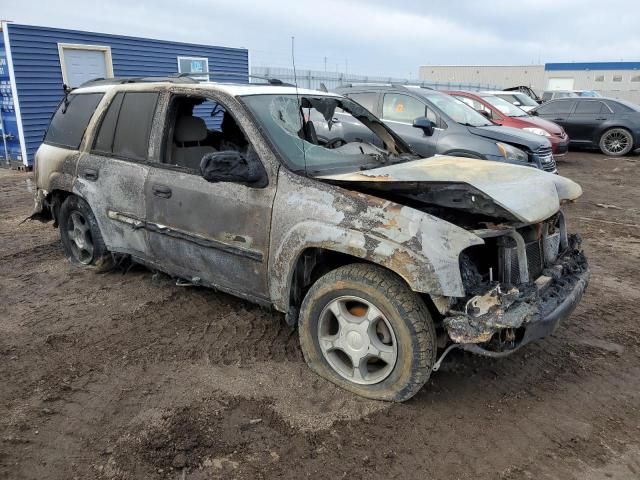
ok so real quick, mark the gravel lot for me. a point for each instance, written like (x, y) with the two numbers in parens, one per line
(126, 375)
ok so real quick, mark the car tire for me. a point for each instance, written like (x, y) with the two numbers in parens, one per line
(362, 328)
(80, 235)
(616, 142)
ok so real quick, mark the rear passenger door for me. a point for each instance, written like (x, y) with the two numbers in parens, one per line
(112, 175)
(586, 119)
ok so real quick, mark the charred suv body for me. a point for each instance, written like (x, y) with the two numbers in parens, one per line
(382, 259)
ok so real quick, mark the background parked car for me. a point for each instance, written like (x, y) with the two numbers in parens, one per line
(528, 91)
(554, 94)
(504, 113)
(449, 126)
(519, 99)
(611, 125)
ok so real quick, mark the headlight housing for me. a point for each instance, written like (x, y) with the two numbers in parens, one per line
(537, 131)
(511, 153)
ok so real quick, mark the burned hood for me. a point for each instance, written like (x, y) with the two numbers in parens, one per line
(523, 194)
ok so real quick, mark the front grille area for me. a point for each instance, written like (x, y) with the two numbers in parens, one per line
(539, 253)
(545, 156)
(510, 271)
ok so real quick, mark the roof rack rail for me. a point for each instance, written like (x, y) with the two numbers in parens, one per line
(178, 78)
(270, 81)
(124, 80)
(387, 84)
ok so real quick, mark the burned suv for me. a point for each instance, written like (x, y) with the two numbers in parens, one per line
(384, 261)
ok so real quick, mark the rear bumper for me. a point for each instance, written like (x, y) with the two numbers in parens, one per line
(501, 322)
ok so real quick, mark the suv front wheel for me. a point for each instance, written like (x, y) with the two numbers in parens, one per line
(79, 232)
(362, 328)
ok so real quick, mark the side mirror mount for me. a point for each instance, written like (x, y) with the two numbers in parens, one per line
(425, 124)
(229, 166)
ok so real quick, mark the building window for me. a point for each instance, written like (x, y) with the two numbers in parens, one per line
(599, 78)
(636, 78)
(80, 63)
(196, 67)
(617, 78)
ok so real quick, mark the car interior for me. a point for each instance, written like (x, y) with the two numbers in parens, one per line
(199, 126)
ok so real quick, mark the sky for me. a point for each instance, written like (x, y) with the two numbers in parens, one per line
(368, 37)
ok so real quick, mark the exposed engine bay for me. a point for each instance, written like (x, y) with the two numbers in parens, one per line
(514, 283)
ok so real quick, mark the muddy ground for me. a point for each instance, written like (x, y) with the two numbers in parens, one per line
(118, 375)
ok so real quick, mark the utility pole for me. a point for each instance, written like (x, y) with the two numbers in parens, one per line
(325, 64)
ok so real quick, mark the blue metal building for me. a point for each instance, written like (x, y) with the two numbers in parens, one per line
(36, 61)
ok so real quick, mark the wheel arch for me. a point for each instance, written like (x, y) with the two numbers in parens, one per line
(294, 265)
(604, 129)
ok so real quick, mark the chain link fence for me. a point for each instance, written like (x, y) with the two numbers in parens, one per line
(314, 79)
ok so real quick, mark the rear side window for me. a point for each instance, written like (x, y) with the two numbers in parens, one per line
(104, 139)
(126, 126)
(71, 119)
(591, 107)
(367, 99)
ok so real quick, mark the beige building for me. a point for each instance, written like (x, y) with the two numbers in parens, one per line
(498, 76)
(610, 79)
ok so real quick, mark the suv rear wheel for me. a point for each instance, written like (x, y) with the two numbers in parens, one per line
(616, 142)
(81, 238)
(362, 328)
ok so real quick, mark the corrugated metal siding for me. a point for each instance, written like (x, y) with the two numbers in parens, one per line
(39, 76)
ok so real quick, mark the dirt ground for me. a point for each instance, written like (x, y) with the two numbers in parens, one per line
(116, 375)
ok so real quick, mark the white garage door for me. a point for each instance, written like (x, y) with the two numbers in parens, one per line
(560, 84)
(83, 64)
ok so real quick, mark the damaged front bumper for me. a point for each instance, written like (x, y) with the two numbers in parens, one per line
(504, 319)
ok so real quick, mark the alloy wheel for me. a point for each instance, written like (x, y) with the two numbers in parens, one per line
(357, 340)
(80, 235)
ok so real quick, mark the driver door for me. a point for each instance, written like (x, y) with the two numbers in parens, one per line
(398, 113)
(216, 234)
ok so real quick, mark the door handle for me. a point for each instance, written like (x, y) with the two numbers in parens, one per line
(558, 119)
(600, 118)
(90, 174)
(161, 191)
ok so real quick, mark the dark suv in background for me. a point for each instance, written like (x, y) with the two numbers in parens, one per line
(436, 123)
(611, 125)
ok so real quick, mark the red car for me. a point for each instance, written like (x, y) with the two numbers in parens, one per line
(504, 113)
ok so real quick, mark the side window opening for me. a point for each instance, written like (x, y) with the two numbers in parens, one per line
(70, 120)
(199, 126)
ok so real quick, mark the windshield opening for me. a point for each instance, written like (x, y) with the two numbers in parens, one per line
(457, 110)
(504, 106)
(322, 134)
